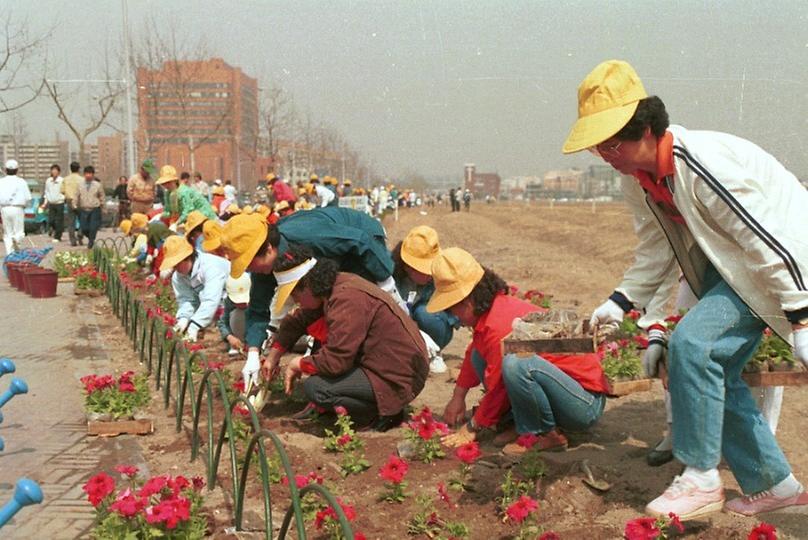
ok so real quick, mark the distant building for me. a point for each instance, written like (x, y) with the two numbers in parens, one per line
(35, 159)
(481, 184)
(200, 116)
(564, 183)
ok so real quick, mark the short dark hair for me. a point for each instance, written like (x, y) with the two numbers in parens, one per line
(483, 294)
(74, 166)
(89, 169)
(273, 239)
(399, 266)
(650, 113)
(320, 279)
(56, 166)
(198, 175)
(184, 175)
(11, 172)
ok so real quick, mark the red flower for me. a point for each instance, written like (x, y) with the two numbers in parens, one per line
(330, 514)
(340, 410)
(426, 426)
(521, 508)
(153, 486)
(633, 314)
(394, 470)
(550, 535)
(127, 470)
(198, 482)
(767, 332)
(170, 511)
(127, 505)
(675, 522)
(469, 452)
(241, 410)
(238, 386)
(763, 531)
(98, 488)
(218, 366)
(178, 483)
(443, 493)
(528, 440)
(641, 529)
(343, 440)
(641, 341)
(194, 347)
(126, 386)
(303, 481)
(359, 536)
(513, 289)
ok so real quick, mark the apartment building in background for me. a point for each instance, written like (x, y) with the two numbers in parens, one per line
(35, 159)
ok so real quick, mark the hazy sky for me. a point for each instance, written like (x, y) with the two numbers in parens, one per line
(430, 85)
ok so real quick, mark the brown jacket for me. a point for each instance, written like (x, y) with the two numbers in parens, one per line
(140, 190)
(366, 328)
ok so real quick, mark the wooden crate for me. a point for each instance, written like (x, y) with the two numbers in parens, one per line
(777, 378)
(552, 345)
(624, 388)
(120, 427)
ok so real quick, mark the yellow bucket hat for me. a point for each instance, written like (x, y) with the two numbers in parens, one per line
(212, 234)
(607, 99)
(288, 279)
(194, 220)
(247, 209)
(281, 205)
(167, 174)
(233, 209)
(420, 247)
(125, 226)
(139, 220)
(176, 248)
(263, 210)
(270, 177)
(217, 190)
(455, 273)
(242, 236)
(347, 182)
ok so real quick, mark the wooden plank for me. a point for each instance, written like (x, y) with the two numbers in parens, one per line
(551, 345)
(624, 388)
(118, 427)
(777, 378)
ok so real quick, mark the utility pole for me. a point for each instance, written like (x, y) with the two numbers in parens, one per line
(130, 142)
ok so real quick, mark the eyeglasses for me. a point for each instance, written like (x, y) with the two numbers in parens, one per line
(606, 149)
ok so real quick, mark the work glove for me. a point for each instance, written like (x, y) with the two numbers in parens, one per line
(657, 346)
(431, 347)
(192, 333)
(149, 260)
(801, 345)
(607, 313)
(181, 325)
(251, 368)
(165, 274)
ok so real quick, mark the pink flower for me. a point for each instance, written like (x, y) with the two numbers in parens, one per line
(169, 511)
(127, 470)
(521, 508)
(198, 483)
(345, 439)
(340, 410)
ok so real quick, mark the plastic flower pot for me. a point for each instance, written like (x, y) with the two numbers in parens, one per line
(43, 283)
(24, 272)
(11, 268)
(17, 280)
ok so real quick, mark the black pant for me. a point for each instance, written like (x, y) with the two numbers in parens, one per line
(71, 216)
(90, 223)
(56, 219)
(352, 390)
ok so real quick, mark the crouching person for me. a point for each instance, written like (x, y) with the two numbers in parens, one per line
(373, 361)
(198, 281)
(544, 393)
(233, 322)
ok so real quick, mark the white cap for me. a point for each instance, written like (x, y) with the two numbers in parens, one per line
(12, 164)
(238, 289)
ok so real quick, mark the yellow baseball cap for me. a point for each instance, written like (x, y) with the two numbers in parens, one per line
(175, 249)
(607, 99)
(139, 220)
(270, 177)
(125, 226)
(212, 234)
(420, 247)
(238, 289)
(194, 220)
(242, 236)
(167, 174)
(455, 274)
(288, 279)
(347, 182)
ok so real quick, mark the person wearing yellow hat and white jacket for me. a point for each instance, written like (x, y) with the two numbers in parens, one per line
(198, 281)
(232, 323)
(734, 219)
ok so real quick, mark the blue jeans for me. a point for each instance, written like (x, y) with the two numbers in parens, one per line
(439, 326)
(713, 409)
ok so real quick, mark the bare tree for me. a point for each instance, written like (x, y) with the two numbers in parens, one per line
(19, 83)
(85, 121)
(278, 120)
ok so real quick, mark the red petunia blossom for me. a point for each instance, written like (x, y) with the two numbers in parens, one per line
(345, 439)
(641, 341)
(127, 470)
(642, 529)
(126, 386)
(126, 376)
(178, 483)
(194, 347)
(303, 481)
(675, 522)
(521, 508)
(550, 535)
(763, 531)
(340, 410)
(469, 452)
(127, 505)
(218, 366)
(329, 513)
(170, 511)
(359, 536)
(394, 470)
(443, 494)
(241, 410)
(198, 483)
(528, 440)
(153, 486)
(99, 487)
(633, 314)
(767, 332)
(238, 386)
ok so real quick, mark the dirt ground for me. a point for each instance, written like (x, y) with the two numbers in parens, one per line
(577, 256)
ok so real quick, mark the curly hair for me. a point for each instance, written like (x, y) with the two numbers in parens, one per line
(483, 294)
(650, 113)
(399, 266)
(320, 279)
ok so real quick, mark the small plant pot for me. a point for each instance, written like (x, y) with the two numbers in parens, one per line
(43, 283)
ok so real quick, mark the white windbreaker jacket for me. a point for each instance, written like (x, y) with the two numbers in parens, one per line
(745, 213)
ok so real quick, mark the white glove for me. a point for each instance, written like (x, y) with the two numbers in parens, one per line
(181, 325)
(431, 347)
(173, 227)
(607, 313)
(389, 286)
(251, 368)
(165, 274)
(149, 260)
(657, 345)
(801, 345)
(192, 333)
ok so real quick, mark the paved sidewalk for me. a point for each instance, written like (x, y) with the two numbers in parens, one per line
(53, 343)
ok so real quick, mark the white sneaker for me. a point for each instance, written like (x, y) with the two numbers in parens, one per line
(687, 500)
(54, 240)
(437, 365)
(232, 352)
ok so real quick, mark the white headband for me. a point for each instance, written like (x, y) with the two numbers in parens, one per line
(295, 274)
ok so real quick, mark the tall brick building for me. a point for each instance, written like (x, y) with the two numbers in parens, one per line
(481, 184)
(200, 116)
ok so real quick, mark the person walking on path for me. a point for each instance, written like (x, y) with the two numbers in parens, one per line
(89, 201)
(124, 205)
(14, 197)
(70, 186)
(734, 219)
(188, 199)
(54, 201)
(201, 186)
(141, 190)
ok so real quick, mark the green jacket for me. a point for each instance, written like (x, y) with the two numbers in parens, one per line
(187, 200)
(352, 238)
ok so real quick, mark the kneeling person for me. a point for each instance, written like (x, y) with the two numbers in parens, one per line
(373, 361)
(198, 281)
